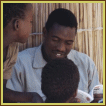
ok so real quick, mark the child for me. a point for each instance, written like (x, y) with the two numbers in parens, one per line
(17, 23)
(60, 79)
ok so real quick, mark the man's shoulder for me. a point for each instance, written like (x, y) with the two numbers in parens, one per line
(27, 52)
(81, 60)
(26, 55)
(79, 57)
(78, 54)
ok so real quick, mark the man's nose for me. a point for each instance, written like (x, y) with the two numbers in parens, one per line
(61, 47)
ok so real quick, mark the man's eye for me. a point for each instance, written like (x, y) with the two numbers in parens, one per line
(55, 39)
(69, 43)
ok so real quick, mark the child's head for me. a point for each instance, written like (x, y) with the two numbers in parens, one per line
(17, 20)
(60, 79)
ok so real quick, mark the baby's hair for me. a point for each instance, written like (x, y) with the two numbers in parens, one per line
(62, 17)
(60, 79)
(13, 10)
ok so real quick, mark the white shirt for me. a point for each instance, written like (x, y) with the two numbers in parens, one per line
(27, 71)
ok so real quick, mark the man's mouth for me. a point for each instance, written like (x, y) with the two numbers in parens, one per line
(59, 55)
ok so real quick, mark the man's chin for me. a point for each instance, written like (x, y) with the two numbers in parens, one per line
(57, 58)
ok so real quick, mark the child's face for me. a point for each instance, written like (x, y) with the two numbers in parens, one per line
(25, 26)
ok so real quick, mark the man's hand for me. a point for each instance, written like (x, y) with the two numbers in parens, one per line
(97, 97)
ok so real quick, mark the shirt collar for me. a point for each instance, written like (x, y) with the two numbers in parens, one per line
(71, 55)
(39, 61)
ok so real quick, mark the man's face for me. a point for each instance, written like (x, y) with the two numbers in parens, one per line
(58, 42)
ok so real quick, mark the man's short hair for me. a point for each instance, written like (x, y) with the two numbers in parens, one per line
(13, 10)
(60, 78)
(62, 17)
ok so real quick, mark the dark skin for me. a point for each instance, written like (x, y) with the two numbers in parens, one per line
(72, 99)
(58, 43)
(97, 97)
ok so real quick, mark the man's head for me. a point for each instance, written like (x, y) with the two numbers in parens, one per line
(62, 17)
(17, 20)
(59, 34)
(60, 78)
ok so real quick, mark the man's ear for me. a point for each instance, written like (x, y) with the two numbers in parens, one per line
(44, 32)
(16, 24)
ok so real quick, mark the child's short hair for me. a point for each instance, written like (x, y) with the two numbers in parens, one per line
(62, 17)
(60, 79)
(13, 10)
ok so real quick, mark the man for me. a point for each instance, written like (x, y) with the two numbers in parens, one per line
(59, 34)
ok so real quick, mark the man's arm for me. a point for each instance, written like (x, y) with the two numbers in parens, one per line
(10, 96)
(97, 97)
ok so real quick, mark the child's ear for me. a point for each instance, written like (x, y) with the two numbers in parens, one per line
(72, 98)
(16, 24)
(75, 94)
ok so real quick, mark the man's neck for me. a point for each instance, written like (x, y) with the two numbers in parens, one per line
(44, 54)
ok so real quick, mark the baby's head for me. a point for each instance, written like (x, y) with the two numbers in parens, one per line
(17, 17)
(60, 79)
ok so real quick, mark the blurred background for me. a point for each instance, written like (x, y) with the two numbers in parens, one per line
(89, 39)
